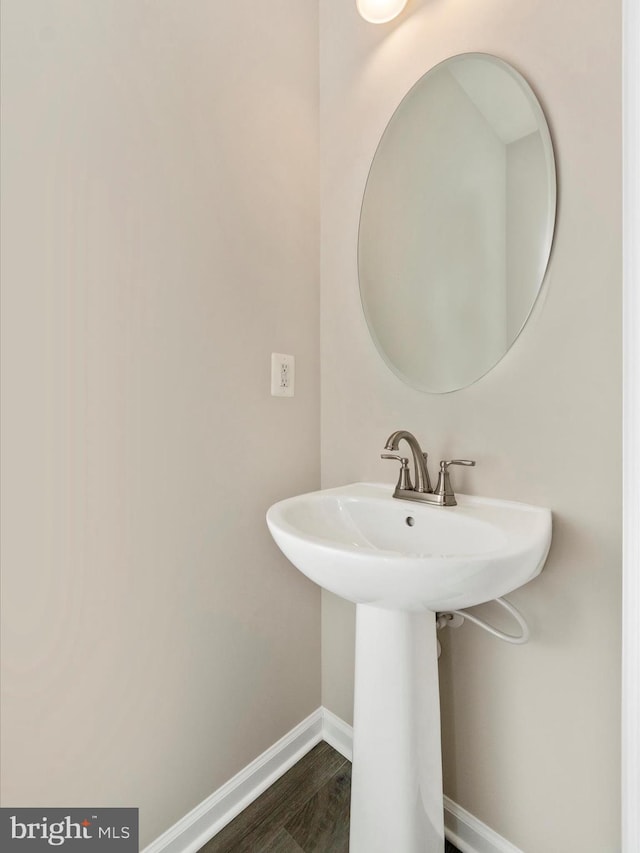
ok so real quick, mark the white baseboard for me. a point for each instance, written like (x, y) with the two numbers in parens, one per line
(192, 831)
(337, 734)
(469, 834)
(197, 827)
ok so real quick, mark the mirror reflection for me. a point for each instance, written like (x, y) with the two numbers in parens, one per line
(457, 222)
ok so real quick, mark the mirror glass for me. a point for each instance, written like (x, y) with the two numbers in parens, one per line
(457, 222)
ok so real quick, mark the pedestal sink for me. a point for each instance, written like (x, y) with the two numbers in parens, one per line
(400, 562)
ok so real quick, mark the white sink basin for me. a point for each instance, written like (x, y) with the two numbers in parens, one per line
(362, 544)
(400, 560)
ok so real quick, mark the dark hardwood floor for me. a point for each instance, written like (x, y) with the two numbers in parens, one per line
(305, 811)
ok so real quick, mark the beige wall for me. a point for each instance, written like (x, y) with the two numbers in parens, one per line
(531, 734)
(160, 240)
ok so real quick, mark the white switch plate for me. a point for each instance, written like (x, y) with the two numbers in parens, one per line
(283, 372)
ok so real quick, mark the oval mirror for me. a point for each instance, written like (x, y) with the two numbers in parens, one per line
(457, 222)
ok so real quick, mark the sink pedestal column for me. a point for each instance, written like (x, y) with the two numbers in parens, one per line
(396, 794)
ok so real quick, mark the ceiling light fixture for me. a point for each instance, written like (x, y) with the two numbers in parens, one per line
(380, 11)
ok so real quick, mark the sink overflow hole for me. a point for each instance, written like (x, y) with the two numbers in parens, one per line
(410, 521)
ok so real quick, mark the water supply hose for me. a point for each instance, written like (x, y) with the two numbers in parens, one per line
(444, 618)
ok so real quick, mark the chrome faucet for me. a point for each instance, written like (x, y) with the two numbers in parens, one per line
(422, 491)
(423, 483)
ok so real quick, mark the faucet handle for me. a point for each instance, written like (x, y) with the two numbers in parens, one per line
(443, 488)
(404, 480)
(444, 465)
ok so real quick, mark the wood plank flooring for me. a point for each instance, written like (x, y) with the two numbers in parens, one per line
(305, 811)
